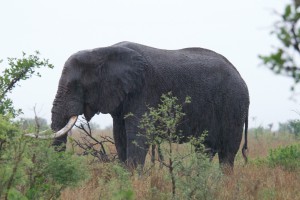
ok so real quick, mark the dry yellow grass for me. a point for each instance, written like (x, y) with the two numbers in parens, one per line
(248, 182)
(260, 182)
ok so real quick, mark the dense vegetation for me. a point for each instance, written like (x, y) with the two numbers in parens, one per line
(273, 172)
(30, 169)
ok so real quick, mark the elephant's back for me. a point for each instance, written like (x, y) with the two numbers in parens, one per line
(190, 69)
(194, 60)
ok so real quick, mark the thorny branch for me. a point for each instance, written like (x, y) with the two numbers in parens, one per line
(93, 146)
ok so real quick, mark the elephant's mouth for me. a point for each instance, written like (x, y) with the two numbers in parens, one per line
(89, 112)
(59, 133)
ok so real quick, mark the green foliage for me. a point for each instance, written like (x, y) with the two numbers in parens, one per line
(8, 129)
(159, 124)
(286, 157)
(197, 177)
(117, 180)
(291, 126)
(121, 186)
(287, 30)
(192, 175)
(19, 69)
(258, 161)
(32, 169)
(198, 180)
(267, 193)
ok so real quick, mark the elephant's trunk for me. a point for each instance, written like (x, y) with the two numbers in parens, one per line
(59, 133)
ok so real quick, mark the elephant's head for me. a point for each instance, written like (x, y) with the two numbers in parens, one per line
(95, 81)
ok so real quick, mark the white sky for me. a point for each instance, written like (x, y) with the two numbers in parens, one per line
(237, 29)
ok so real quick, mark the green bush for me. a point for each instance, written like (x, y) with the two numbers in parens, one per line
(32, 169)
(197, 177)
(286, 157)
(117, 181)
(7, 131)
(191, 174)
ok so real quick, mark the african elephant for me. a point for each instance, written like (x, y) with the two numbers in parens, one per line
(127, 77)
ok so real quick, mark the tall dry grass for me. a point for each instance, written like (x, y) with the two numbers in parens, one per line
(251, 181)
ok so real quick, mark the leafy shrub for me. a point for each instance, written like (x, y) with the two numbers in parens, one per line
(7, 130)
(197, 177)
(117, 181)
(32, 169)
(286, 157)
(191, 174)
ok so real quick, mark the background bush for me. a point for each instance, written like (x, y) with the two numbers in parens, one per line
(286, 157)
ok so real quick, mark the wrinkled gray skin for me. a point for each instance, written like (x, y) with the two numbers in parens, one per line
(126, 77)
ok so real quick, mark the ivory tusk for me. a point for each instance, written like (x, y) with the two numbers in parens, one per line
(59, 133)
(35, 135)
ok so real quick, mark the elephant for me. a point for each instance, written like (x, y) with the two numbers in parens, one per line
(128, 77)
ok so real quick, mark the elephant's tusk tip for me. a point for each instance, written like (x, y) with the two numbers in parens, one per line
(41, 135)
(58, 134)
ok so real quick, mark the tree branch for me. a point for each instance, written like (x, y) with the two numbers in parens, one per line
(295, 37)
(88, 143)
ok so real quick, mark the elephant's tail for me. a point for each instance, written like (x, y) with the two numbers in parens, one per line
(245, 148)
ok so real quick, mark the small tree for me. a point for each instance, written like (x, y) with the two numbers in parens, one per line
(19, 69)
(160, 125)
(187, 166)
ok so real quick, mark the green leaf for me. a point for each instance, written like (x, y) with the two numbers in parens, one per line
(18, 69)
(287, 12)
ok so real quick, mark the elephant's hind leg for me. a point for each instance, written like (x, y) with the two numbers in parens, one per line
(227, 154)
(226, 160)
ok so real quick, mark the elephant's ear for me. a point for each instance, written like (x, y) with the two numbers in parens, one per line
(122, 74)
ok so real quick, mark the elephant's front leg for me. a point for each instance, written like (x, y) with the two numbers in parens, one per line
(119, 133)
(137, 146)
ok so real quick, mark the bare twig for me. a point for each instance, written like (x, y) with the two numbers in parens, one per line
(37, 123)
(93, 146)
